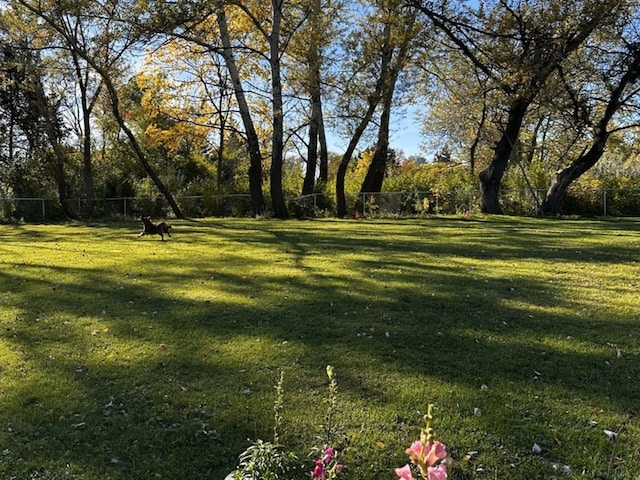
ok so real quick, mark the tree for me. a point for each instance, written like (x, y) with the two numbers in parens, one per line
(253, 142)
(90, 89)
(517, 46)
(187, 98)
(111, 40)
(253, 35)
(33, 110)
(23, 132)
(368, 79)
(620, 79)
(317, 29)
(399, 32)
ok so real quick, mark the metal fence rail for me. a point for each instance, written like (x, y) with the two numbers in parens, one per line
(617, 202)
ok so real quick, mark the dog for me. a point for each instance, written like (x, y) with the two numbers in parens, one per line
(150, 228)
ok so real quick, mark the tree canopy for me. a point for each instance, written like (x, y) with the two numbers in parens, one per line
(101, 99)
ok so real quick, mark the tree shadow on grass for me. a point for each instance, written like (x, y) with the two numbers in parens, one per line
(163, 383)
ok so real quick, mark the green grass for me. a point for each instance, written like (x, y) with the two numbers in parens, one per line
(126, 358)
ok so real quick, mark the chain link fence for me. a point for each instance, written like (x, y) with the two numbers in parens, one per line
(582, 202)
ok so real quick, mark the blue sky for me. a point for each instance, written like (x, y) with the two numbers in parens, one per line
(405, 135)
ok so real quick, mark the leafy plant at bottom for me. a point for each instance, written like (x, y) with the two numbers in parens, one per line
(266, 461)
(269, 460)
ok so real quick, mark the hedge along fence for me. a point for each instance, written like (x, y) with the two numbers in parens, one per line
(618, 202)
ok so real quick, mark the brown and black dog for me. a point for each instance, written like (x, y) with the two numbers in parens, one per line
(150, 228)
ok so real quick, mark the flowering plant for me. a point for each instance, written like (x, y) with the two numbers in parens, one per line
(427, 454)
(327, 467)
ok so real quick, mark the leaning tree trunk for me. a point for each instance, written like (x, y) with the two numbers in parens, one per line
(341, 199)
(562, 181)
(491, 177)
(374, 178)
(82, 77)
(565, 177)
(253, 142)
(142, 158)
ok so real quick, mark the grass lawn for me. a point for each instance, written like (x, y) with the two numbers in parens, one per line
(131, 358)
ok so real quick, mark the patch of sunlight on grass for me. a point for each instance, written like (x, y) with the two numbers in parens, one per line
(126, 357)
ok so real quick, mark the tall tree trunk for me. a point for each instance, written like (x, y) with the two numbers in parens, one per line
(323, 173)
(377, 169)
(374, 178)
(373, 101)
(253, 143)
(315, 123)
(277, 141)
(87, 169)
(220, 155)
(491, 177)
(87, 108)
(308, 185)
(313, 85)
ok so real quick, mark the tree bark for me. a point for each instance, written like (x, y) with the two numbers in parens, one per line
(374, 177)
(373, 101)
(308, 185)
(491, 177)
(341, 199)
(277, 141)
(315, 122)
(564, 178)
(87, 108)
(313, 85)
(324, 151)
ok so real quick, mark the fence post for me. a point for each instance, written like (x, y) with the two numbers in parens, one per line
(44, 214)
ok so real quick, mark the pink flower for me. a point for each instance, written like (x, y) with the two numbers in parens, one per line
(415, 451)
(437, 451)
(437, 473)
(319, 471)
(404, 473)
(425, 456)
(329, 453)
